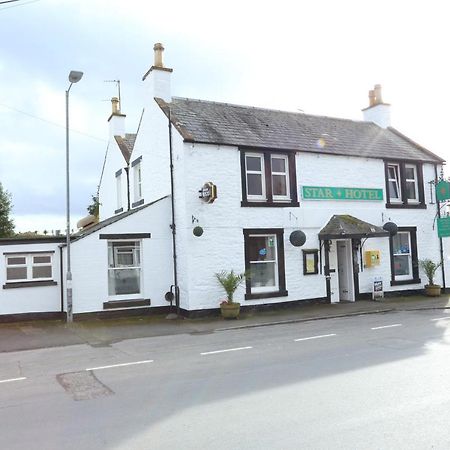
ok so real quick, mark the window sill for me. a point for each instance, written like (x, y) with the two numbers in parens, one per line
(138, 203)
(280, 204)
(126, 303)
(26, 284)
(406, 205)
(403, 282)
(117, 211)
(266, 295)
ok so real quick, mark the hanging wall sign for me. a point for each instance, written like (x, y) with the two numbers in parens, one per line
(208, 192)
(443, 190)
(443, 226)
(340, 193)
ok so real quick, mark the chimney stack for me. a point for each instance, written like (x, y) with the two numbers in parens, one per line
(377, 111)
(116, 120)
(157, 77)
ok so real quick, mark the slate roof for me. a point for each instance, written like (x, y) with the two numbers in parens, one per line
(226, 124)
(126, 144)
(104, 223)
(346, 226)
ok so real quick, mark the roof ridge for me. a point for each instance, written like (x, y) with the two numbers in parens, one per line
(260, 108)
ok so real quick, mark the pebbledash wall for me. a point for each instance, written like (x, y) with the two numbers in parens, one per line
(31, 296)
(221, 247)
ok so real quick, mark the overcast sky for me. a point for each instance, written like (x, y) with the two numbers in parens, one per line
(320, 57)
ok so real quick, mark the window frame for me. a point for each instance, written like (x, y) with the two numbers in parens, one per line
(279, 290)
(119, 200)
(139, 267)
(29, 265)
(397, 181)
(253, 197)
(268, 199)
(315, 253)
(285, 158)
(136, 165)
(404, 202)
(397, 280)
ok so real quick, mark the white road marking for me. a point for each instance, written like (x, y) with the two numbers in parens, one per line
(120, 365)
(440, 318)
(13, 379)
(387, 326)
(226, 350)
(315, 337)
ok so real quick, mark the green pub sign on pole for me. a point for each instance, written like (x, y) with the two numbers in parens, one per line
(443, 226)
(442, 190)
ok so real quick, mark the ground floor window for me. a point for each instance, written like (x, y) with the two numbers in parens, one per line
(404, 259)
(264, 262)
(124, 267)
(29, 267)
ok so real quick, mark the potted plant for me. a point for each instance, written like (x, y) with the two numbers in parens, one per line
(429, 267)
(230, 281)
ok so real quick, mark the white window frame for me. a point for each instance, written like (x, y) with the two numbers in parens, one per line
(119, 191)
(412, 180)
(397, 181)
(261, 172)
(409, 255)
(286, 197)
(137, 177)
(125, 267)
(29, 265)
(276, 287)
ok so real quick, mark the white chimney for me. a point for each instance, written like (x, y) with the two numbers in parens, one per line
(157, 77)
(116, 120)
(377, 111)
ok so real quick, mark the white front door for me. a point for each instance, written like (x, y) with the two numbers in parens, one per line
(345, 272)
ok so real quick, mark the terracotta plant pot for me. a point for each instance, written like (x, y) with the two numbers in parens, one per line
(433, 290)
(230, 310)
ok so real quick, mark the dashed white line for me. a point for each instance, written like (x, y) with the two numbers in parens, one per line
(120, 365)
(315, 337)
(226, 350)
(13, 379)
(387, 326)
(440, 318)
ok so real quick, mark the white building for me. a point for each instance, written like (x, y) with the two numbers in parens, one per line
(301, 204)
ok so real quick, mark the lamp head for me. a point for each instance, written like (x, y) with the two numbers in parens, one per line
(75, 76)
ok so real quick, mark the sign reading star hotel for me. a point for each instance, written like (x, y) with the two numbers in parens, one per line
(340, 193)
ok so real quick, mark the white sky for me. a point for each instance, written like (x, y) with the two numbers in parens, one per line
(318, 56)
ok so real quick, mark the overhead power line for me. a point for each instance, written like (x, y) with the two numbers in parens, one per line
(2, 2)
(52, 123)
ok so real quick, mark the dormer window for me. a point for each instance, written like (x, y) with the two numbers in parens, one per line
(404, 185)
(268, 179)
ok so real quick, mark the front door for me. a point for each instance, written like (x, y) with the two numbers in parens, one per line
(334, 281)
(345, 270)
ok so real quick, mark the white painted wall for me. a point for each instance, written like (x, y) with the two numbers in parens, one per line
(90, 259)
(222, 245)
(30, 299)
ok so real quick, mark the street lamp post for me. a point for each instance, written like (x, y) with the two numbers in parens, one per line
(74, 77)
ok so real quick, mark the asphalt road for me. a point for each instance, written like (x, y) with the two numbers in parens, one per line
(379, 381)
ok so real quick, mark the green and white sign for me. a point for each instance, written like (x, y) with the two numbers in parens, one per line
(443, 226)
(443, 190)
(341, 193)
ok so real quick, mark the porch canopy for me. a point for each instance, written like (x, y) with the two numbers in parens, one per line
(349, 227)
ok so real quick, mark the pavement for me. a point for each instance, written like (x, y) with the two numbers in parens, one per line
(19, 336)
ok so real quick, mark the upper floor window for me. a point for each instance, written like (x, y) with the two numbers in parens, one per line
(268, 179)
(137, 182)
(119, 205)
(404, 185)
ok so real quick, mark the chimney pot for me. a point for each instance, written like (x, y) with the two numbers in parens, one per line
(378, 97)
(371, 97)
(158, 49)
(115, 105)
